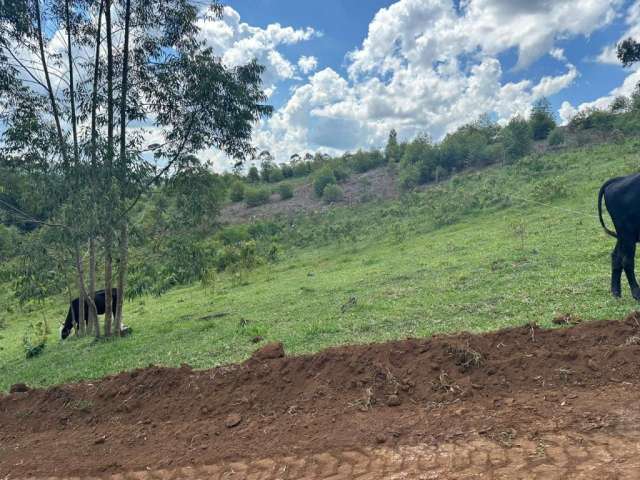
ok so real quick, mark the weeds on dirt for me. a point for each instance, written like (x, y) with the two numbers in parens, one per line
(444, 383)
(466, 357)
(366, 402)
(632, 340)
(80, 405)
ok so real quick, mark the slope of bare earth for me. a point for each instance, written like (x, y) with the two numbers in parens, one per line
(378, 184)
(518, 403)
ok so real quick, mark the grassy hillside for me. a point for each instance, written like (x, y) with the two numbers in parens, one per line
(479, 252)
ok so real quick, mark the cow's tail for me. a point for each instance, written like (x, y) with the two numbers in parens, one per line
(600, 197)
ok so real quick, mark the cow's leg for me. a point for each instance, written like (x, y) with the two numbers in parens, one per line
(628, 251)
(616, 271)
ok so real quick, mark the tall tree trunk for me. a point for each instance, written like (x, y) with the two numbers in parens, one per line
(82, 326)
(93, 316)
(122, 174)
(108, 201)
(94, 167)
(52, 99)
(122, 274)
(93, 310)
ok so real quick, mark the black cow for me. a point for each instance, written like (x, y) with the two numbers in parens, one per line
(622, 199)
(73, 317)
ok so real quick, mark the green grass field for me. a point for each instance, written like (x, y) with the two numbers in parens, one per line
(495, 266)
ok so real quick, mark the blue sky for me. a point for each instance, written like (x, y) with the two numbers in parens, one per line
(342, 73)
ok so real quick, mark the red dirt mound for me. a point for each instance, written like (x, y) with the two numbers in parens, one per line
(503, 386)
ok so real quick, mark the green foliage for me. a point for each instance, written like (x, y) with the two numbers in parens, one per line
(253, 176)
(285, 191)
(257, 196)
(287, 171)
(517, 138)
(556, 138)
(340, 173)
(392, 152)
(541, 121)
(302, 169)
(237, 192)
(34, 339)
(332, 193)
(363, 161)
(276, 175)
(323, 178)
(620, 104)
(550, 189)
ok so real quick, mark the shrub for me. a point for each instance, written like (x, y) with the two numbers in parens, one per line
(549, 189)
(287, 171)
(340, 173)
(285, 191)
(332, 193)
(253, 176)
(35, 339)
(541, 121)
(556, 138)
(365, 161)
(257, 196)
(592, 118)
(409, 178)
(302, 169)
(276, 175)
(517, 138)
(323, 178)
(237, 192)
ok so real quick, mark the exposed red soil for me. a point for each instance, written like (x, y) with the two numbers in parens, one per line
(570, 389)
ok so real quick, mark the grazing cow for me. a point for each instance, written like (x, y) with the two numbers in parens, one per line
(73, 317)
(622, 200)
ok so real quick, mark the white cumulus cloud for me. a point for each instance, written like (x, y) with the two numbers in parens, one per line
(307, 64)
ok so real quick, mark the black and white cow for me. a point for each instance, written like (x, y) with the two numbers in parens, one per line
(73, 317)
(622, 200)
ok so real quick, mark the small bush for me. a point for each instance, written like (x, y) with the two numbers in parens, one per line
(323, 178)
(35, 339)
(276, 175)
(556, 138)
(302, 169)
(258, 196)
(409, 178)
(287, 171)
(332, 193)
(285, 191)
(237, 192)
(340, 173)
(253, 176)
(549, 189)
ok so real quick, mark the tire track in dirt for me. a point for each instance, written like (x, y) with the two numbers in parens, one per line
(549, 457)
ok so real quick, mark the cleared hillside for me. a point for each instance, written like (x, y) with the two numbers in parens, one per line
(485, 250)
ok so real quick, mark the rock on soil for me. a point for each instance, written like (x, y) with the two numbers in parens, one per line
(233, 420)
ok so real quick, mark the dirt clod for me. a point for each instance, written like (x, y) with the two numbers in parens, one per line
(100, 440)
(233, 420)
(269, 352)
(393, 401)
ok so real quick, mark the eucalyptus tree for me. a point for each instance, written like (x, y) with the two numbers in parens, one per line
(98, 78)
